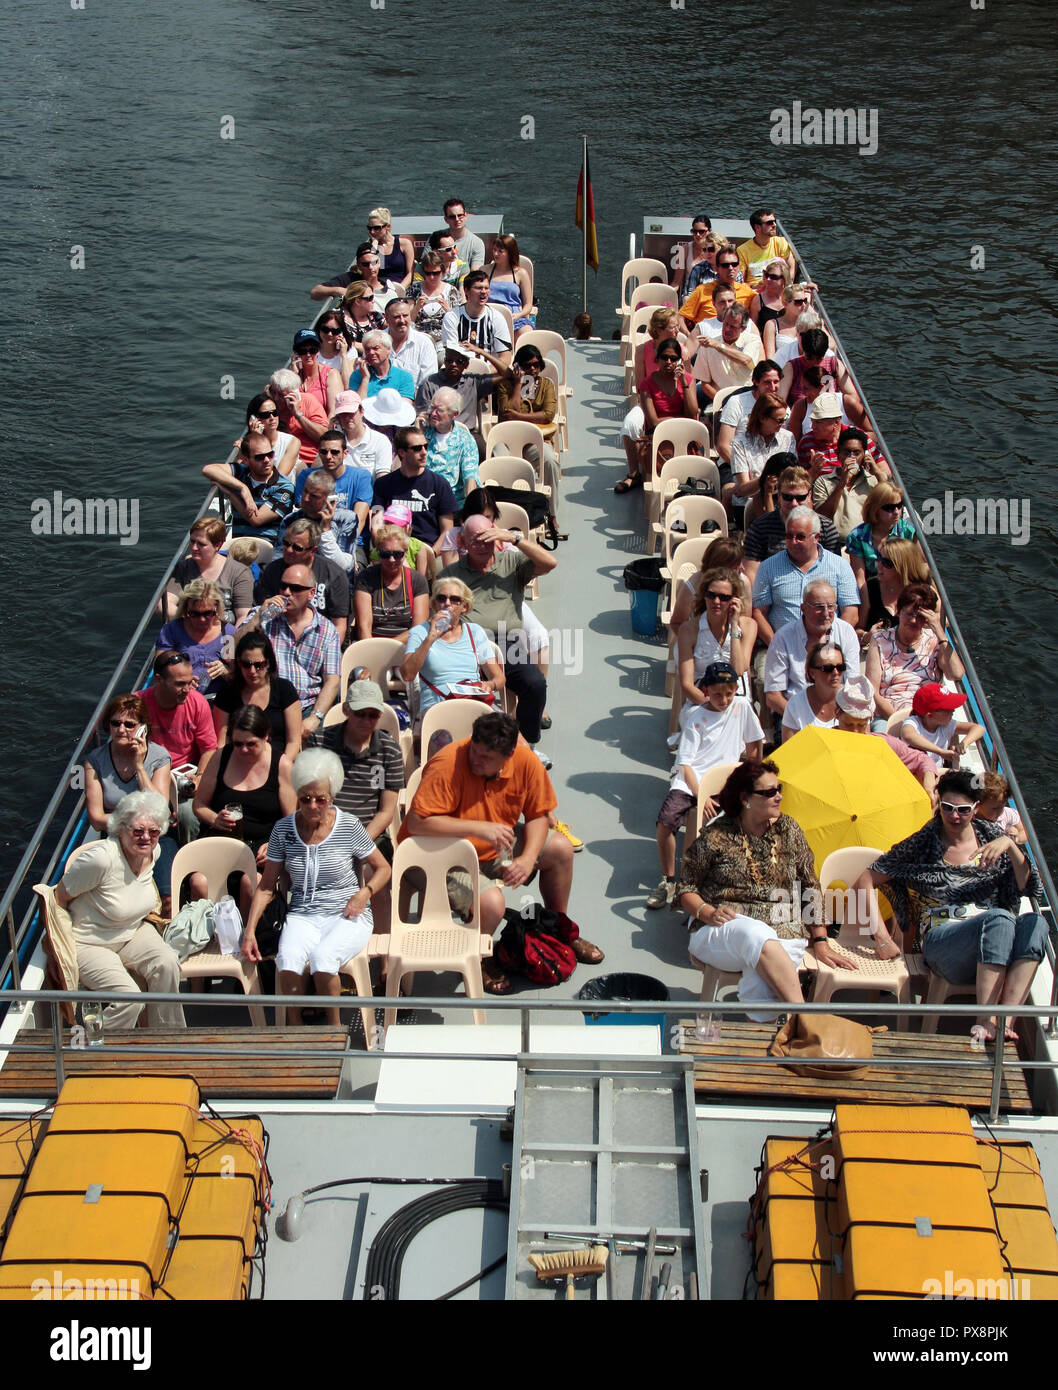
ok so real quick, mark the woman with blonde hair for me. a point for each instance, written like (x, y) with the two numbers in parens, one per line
(396, 254)
(883, 516)
(390, 597)
(449, 649)
(900, 563)
(359, 314)
(199, 632)
(782, 328)
(768, 305)
(715, 630)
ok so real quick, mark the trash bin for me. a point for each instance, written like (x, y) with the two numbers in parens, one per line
(644, 583)
(634, 988)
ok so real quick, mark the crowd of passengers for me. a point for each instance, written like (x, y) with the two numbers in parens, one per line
(359, 465)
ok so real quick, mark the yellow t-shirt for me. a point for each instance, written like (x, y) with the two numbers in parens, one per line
(752, 259)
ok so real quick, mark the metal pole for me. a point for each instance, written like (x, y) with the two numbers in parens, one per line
(997, 1074)
(584, 220)
(56, 1030)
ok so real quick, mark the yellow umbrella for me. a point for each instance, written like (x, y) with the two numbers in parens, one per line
(848, 789)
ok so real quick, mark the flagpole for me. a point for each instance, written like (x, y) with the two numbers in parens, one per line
(587, 195)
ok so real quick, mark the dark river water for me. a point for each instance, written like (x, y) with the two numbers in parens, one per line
(196, 253)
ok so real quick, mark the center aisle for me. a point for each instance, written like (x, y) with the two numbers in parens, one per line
(606, 698)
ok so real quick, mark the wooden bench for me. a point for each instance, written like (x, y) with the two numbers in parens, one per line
(221, 1076)
(969, 1085)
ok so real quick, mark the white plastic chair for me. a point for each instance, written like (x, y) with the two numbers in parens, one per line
(217, 856)
(436, 941)
(658, 492)
(507, 471)
(853, 940)
(680, 434)
(640, 271)
(895, 722)
(457, 717)
(696, 514)
(380, 655)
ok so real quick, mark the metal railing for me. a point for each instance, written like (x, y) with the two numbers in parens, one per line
(972, 679)
(16, 896)
(63, 1045)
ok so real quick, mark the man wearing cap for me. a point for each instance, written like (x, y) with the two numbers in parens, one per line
(784, 669)
(855, 702)
(490, 790)
(930, 727)
(307, 649)
(260, 495)
(340, 527)
(477, 323)
(722, 730)
(432, 503)
(364, 447)
(818, 449)
(499, 582)
(371, 760)
(412, 350)
(766, 534)
(470, 387)
(380, 371)
(301, 540)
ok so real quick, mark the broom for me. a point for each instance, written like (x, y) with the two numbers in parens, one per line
(570, 1265)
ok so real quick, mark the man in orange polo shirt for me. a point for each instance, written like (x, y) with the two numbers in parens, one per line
(699, 303)
(480, 789)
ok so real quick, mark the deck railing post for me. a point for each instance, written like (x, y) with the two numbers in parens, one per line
(16, 969)
(997, 1074)
(56, 1033)
(523, 1015)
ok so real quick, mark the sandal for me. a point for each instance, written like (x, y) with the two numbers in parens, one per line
(627, 484)
(495, 982)
(587, 952)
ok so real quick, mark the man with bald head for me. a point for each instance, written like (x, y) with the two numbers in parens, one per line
(306, 645)
(784, 670)
(499, 582)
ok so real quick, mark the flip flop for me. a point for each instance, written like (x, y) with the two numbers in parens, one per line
(587, 951)
(495, 982)
(627, 484)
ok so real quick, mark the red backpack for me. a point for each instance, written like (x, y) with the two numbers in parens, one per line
(537, 946)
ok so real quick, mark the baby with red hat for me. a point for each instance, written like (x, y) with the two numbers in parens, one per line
(931, 728)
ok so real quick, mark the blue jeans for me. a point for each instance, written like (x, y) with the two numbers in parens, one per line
(955, 949)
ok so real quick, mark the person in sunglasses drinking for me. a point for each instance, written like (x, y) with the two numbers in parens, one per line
(956, 887)
(743, 882)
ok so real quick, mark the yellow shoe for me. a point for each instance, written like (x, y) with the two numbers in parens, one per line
(563, 829)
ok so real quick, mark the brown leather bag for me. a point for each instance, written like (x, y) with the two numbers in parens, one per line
(804, 1036)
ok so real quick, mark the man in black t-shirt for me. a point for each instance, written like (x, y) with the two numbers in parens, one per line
(432, 501)
(300, 542)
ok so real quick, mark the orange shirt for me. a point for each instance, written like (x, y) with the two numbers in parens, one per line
(699, 303)
(312, 410)
(449, 788)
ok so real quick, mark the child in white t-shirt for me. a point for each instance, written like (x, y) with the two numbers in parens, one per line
(723, 730)
(931, 728)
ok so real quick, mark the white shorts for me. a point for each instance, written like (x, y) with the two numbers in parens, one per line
(635, 423)
(321, 943)
(536, 635)
(735, 948)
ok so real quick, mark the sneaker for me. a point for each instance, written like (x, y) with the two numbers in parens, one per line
(544, 759)
(563, 829)
(661, 896)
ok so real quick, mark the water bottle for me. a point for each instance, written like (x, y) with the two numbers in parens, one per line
(707, 1028)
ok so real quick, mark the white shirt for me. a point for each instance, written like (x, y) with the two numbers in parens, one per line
(710, 737)
(497, 336)
(799, 714)
(942, 737)
(374, 452)
(784, 670)
(417, 355)
(749, 453)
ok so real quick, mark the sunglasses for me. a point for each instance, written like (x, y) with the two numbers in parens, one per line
(726, 265)
(769, 275)
(253, 665)
(829, 667)
(886, 563)
(372, 227)
(962, 810)
(714, 597)
(296, 588)
(668, 358)
(391, 554)
(297, 549)
(435, 271)
(331, 328)
(124, 724)
(448, 598)
(892, 506)
(139, 834)
(770, 792)
(269, 455)
(415, 448)
(801, 303)
(794, 496)
(267, 415)
(199, 613)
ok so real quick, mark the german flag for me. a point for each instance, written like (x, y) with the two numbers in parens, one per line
(591, 240)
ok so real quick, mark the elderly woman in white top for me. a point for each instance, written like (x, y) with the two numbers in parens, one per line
(816, 704)
(109, 890)
(329, 920)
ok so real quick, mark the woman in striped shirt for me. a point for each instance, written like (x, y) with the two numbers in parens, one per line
(329, 920)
